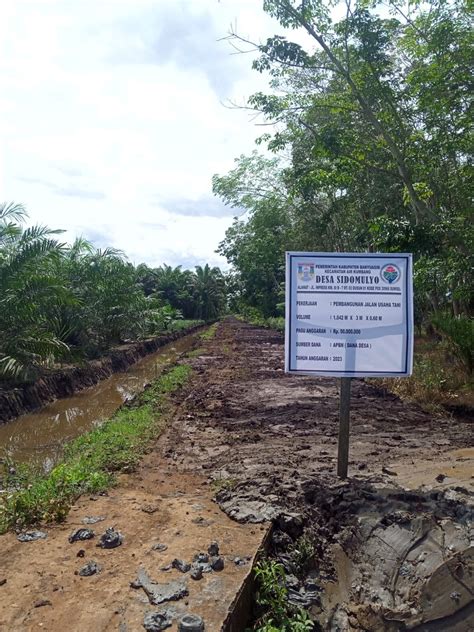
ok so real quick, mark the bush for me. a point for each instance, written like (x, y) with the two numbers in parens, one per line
(459, 333)
(272, 595)
(255, 317)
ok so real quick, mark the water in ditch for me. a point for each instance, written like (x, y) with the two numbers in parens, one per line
(39, 437)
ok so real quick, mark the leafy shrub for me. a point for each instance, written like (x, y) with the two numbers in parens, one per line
(435, 381)
(459, 333)
(272, 596)
(255, 317)
(182, 325)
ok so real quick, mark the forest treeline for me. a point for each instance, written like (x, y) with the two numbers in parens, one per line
(368, 148)
(73, 302)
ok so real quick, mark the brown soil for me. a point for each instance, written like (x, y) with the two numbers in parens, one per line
(156, 505)
(26, 397)
(386, 558)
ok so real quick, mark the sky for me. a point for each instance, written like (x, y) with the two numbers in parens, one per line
(113, 118)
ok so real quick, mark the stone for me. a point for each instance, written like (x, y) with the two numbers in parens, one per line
(31, 536)
(217, 563)
(159, 547)
(191, 623)
(157, 621)
(201, 558)
(92, 519)
(91, 568)
(159, 593)
(213, 549)
(110, 539)
(181, 565)
(79, 535)
(196, 572)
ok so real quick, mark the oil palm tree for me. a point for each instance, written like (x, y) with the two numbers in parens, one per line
(29, 288)
(209, 287)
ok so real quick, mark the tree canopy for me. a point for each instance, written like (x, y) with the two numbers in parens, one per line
(371, 128)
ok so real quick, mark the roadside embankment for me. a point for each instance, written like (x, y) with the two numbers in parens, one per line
(91, 461)
(27, 397)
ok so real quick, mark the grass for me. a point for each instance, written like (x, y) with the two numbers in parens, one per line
(273, 322)
(181, 325)
(210, 333)
(438, 378)
(91, 461)
(221, 484)
(195, 353)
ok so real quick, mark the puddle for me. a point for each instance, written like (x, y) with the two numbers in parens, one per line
(39, 437)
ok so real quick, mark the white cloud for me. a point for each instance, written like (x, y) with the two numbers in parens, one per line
(111, 116)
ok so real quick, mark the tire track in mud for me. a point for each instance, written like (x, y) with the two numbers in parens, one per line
(268, 442)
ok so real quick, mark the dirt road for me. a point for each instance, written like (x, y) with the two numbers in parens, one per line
(385, 557)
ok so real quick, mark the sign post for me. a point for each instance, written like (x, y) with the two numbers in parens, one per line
(348, 315)
(344, 425)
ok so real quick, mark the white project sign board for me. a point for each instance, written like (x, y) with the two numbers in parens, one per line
(349, 315)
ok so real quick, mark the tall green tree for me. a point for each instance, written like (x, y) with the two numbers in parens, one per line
(374, 128)
(29, 289)
(209, 292)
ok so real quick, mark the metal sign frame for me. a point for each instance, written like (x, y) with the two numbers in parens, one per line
(404, 260)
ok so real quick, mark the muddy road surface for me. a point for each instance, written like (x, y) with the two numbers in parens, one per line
(390, 548)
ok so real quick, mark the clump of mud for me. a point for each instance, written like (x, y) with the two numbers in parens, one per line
(384, 559)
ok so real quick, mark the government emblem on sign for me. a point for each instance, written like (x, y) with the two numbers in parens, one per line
(306, 272)
(390, 273)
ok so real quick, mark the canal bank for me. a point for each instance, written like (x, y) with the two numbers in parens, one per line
(27, 397)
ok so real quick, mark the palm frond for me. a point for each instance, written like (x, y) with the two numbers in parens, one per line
(12, 211)
(38, 232)
(11, 368)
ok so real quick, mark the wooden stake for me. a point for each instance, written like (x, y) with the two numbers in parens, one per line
(344, 424)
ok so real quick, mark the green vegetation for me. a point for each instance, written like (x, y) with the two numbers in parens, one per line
(67, 303)
(90, 461)
(302, 554)
(210, 332)
(197, 295)
(183, 325)
(372, 151)
(195, 353)
(272, 597)
(438, 377)
(459, 335)
(254, 316)
(221, 484)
